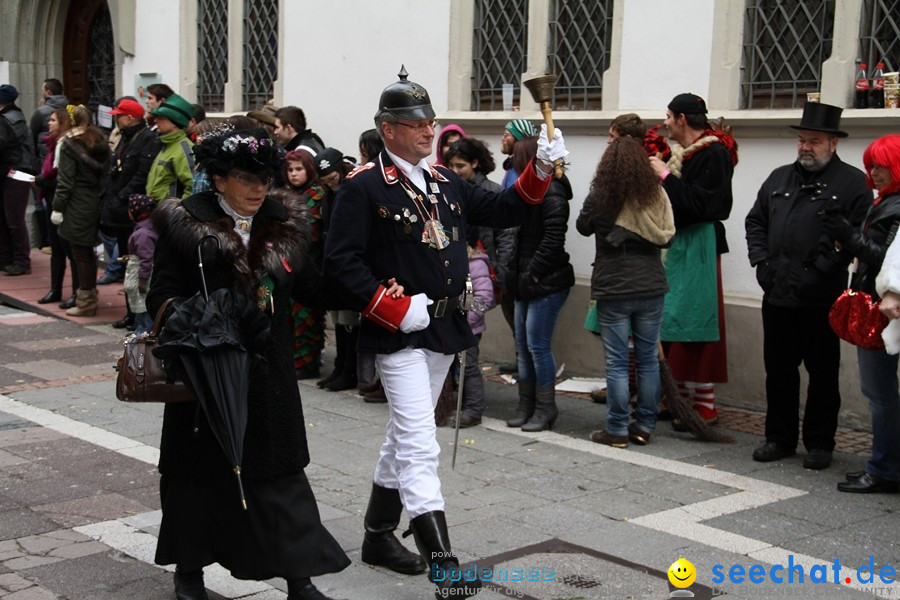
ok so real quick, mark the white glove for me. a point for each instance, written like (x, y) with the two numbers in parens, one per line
(56, 217)
(551, 150)
(416, 318)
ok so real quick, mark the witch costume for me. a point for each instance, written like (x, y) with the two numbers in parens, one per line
(280, 534)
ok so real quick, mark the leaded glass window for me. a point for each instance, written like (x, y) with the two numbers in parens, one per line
(212, 53)
(879, 35)
(260, 51)
(579, 51)
(785, 44)
(499, 51)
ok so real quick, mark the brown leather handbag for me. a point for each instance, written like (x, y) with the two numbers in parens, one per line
(142, 377)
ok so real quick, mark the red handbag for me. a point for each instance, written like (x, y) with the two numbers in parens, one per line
(858, 320)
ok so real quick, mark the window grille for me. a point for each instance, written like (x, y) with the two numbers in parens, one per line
(785, 44)
(579, 51)
(260, 51)
(101, 68)
(212, 53)
(879, 34)
(499, 51)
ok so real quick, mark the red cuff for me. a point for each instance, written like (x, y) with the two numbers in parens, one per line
(531, 187)
(386, 310)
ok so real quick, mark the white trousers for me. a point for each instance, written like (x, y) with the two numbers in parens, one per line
(412, 380)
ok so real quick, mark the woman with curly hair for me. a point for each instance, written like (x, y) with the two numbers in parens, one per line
(630, 217)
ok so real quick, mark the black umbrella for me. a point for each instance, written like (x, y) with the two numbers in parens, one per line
(215, 339)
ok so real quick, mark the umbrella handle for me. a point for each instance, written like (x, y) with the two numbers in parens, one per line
(200, 264)
(237, 472)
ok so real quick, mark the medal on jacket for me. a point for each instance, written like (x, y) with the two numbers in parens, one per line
(434, 235)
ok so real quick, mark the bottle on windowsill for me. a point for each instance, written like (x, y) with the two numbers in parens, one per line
(861, 100)
(876, 94)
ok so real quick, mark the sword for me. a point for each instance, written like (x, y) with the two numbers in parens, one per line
(459, 395)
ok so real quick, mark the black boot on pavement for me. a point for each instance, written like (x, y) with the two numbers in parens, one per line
(380, 546)
(189, 585)
(433, 542)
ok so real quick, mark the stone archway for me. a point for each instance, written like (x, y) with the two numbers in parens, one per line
(89, 57)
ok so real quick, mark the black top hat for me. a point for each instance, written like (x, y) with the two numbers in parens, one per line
(821, 117)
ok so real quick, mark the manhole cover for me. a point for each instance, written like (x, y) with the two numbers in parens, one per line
(558, 570)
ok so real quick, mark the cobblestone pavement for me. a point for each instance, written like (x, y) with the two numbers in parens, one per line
(79, 506)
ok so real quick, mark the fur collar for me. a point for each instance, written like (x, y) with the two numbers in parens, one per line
(94, 157)
(278, 241)
(681, 155)
(654, 223)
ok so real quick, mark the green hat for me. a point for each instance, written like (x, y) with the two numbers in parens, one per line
(176, 109)
(521, 129)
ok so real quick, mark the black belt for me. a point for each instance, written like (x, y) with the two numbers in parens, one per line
(441, 307)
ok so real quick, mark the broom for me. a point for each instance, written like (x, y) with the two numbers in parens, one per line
(684, 411)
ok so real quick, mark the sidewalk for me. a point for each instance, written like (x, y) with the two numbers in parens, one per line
(79, 501)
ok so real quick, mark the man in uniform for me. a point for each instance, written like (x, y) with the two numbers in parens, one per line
(400, 221)
(801, 275)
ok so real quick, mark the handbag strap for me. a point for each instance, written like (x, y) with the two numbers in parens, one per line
(157, 323)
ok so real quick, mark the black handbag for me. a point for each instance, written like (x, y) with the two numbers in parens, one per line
(141, 376)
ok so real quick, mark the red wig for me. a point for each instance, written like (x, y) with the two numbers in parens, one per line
(884, 152)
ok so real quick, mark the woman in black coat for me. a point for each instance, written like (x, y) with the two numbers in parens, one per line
(539, 279)
(262, 253)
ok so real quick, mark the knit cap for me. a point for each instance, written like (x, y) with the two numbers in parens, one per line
(521, 129)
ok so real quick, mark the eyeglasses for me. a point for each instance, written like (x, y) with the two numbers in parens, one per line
(250, 178)
(419, 127)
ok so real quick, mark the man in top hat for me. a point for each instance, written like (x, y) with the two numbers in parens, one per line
(172, 171)
(697, 179)
(801, 274)
(403, 222)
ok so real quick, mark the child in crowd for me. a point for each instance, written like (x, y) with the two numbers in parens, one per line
(141, 247)
(473, 403)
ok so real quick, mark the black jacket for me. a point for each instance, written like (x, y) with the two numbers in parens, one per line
(796, 264)
(128, 174)
(16, 147)
(870, 243)
(275, 441)
(371, 239)
(540, 251)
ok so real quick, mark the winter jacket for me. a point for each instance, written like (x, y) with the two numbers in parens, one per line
(275, 441)
(81, 174)
(16, 145)
(796, 264)
(540, 265)
(171, 175)
(131, 164)
(142, 243)
(480, 272)
(40, 122)
(627, 261)
(869, 244)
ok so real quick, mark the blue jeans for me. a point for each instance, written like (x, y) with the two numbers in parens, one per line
(643, 318)
(878, 379)
(535, 321)
(114, 268)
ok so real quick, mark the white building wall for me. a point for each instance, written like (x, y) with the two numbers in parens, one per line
(666, 50)
(157, 49)
(336, 73)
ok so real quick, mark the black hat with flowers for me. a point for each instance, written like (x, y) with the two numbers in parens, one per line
(251, 150)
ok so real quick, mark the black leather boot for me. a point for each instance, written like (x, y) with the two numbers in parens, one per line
(347, 378)
(380, 545)
(303, 589)
(526, 404)
(339, 335)
(545, 411)
(189, 585)
(433, 542)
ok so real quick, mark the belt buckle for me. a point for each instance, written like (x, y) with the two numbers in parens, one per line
(440, 307)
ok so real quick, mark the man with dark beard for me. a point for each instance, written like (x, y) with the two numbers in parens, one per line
(801, 274)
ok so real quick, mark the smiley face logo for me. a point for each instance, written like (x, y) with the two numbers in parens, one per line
(682, 573)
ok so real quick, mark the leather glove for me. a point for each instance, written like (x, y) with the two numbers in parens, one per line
(416, 317)
(837, 227)
(56, 217)
(551, 150)
(142, 286)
